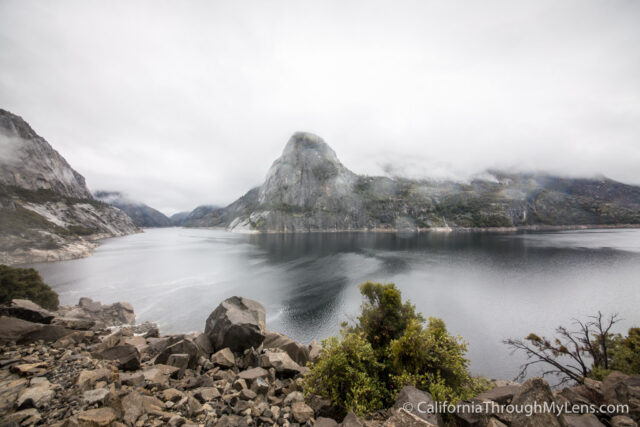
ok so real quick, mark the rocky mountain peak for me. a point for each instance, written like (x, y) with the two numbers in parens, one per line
(303, 147)
(307, 170)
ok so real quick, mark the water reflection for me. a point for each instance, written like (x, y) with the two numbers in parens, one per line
(486, 287)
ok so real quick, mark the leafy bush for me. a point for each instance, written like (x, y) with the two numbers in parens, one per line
(26, 283)
(626, 353)
(390, 347)
(348, 373)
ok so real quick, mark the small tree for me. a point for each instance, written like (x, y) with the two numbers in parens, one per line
(390, 347)
(574, 354)
(384, 317)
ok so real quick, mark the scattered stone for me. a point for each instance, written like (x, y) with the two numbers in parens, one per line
(27, 369)
(132, 407)
(501, 395)
(36, 396)
(622, 421)
(159, 374)
(139, 342)
(74, 323)
(411, 396)
(260, 386)
(181, 347)
(126, 356)
(206, 394)
(281, 362)
(97, 417)
(351, 420)
(301, 412)
(325, 422)
(586, 420)
(131, 378)
(296, 351)
(224, 358)
(98, 395)
(250, 375)
(294, 396)
(88, 378)
(246, 394)
(180, 361)
(26, 417)
(81, 379)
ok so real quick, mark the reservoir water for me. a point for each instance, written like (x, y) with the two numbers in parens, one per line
(487, 287)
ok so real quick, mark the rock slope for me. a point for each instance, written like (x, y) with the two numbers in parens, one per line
(46, 210)
(308, 189)
(141, 214)
(89, 365)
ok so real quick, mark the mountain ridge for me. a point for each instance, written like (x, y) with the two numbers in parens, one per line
(141, 214)
(307, 189)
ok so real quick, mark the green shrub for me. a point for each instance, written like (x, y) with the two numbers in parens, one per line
(348, 373)
(626, 353)
(26, 283)
(390, 347)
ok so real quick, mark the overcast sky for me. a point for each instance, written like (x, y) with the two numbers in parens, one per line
(186, 103)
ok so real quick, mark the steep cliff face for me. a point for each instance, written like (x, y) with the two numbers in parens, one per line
(308, 189)
(28, 161)
(46, 210)
(141, 214)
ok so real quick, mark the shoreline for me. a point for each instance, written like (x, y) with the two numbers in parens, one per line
(84, 248)
(421, 230)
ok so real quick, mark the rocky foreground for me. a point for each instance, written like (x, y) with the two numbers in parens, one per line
(90, 365)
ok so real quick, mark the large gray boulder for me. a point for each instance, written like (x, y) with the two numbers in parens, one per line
(237, 323)
(13, 329)
(27, 310)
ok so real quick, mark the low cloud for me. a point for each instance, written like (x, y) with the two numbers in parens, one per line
(185, 104)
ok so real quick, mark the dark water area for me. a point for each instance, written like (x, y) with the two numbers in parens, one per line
(486, 287)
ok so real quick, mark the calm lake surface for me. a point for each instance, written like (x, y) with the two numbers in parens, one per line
(487, 287)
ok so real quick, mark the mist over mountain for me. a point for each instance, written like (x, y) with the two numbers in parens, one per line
(179, 218)
(46, 210)
(308, 189)
(141, 214)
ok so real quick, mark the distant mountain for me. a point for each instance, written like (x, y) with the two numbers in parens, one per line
(179, 218)
(46, 210)
(142, 215)
(308, 189)
(196, 216)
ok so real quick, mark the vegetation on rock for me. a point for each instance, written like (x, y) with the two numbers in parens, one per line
(388, 348)
(26, 283)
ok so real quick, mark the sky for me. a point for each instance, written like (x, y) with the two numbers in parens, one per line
(179, 104)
